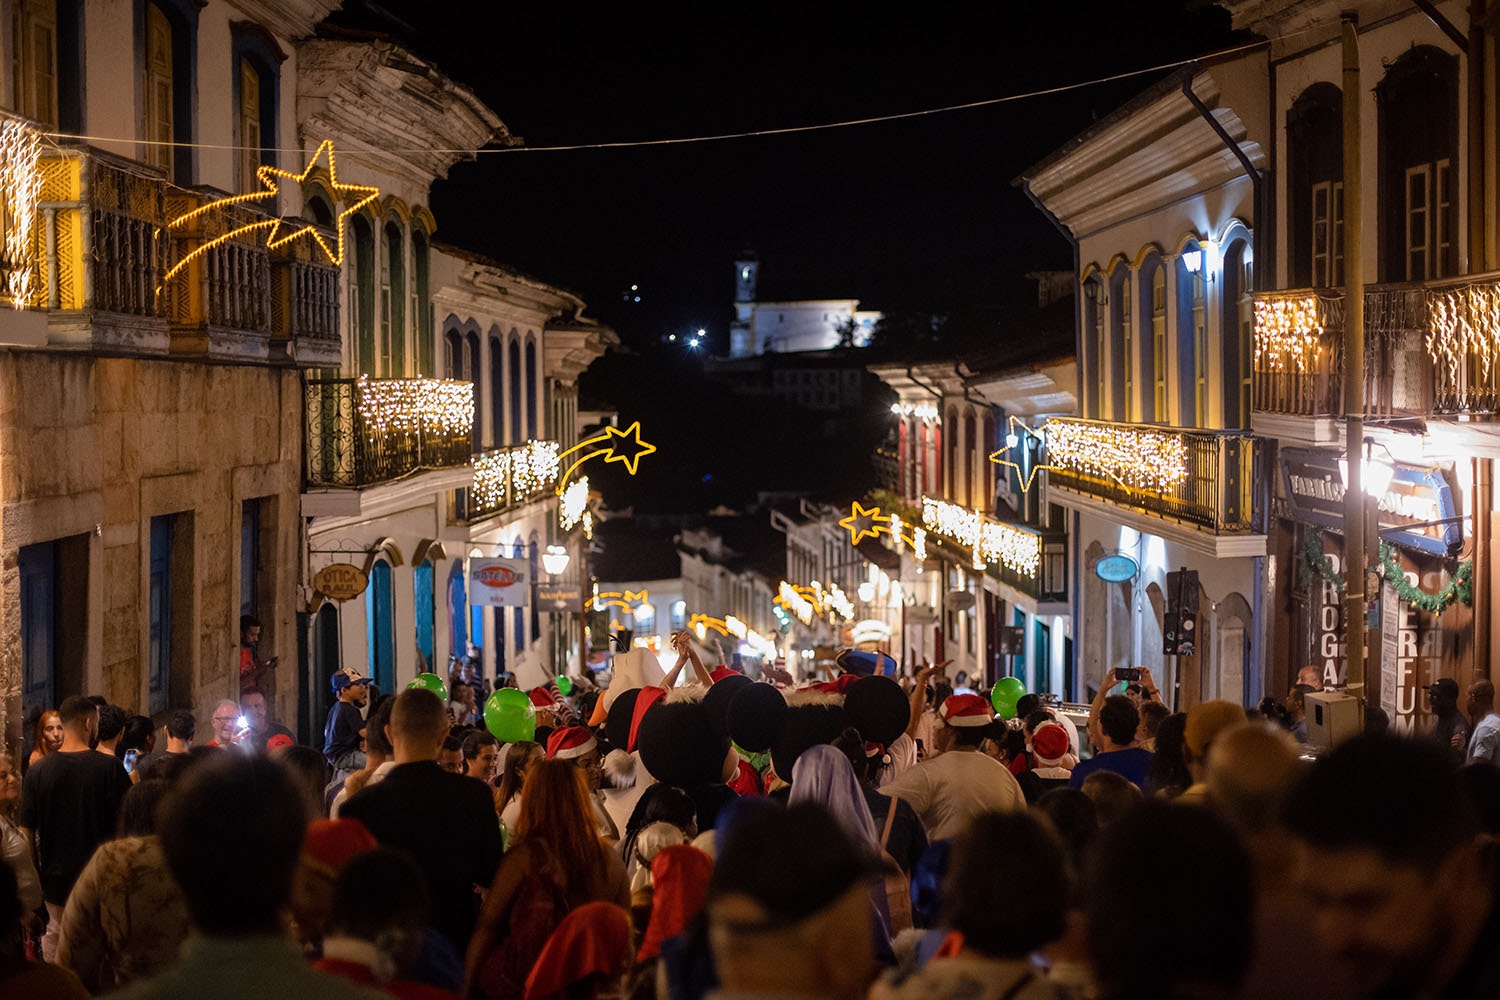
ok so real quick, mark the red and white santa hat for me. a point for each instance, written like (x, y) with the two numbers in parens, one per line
(966, 710)
(570, 742)
(1049, 743)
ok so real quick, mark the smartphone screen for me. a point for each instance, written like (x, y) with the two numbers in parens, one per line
(130, 756)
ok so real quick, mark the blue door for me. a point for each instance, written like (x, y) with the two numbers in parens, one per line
(380, 635)
(38, 566)
(159, 650)
(426, 612)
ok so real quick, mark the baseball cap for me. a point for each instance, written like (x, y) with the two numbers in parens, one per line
(1444, 686)
(789, 883)
(1049, 743)
(1207, 720)
(348, 677)
(966, 710)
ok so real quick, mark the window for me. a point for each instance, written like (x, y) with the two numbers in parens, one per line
(1123, 320)
(952, 428)
(535, 569)
(53, 588)
(458, 610)
(257, 68)
(1238, 315)
(159, 642)
(425, 608)
(532, 402)
(421, 304)
(969, 486)
(1418, 126)
(453, 354)
(1095, 305)
(513, 357)
(250, 558)
(1315, 187)
(393, 303)
(472, 372)
(1154, 318)
(362, 297)
(518, 614)
(497, 391)
(1192, 337)
(679, 615)
(34, 79)
(168, 55)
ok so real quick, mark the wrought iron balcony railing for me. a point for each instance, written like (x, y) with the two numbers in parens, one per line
(1214, 480)
(364, 431)
(506, 478)
(1031, 559)
(1430, 349)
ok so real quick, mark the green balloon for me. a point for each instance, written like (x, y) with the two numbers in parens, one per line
(564, 685)
(1007, 689)
(510, 716)
(1005, 708)
(430, 682)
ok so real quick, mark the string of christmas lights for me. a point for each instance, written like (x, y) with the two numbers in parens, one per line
(1135, 457)
(573, 504)
(1288, 332)
(21, 188)
(509, 475)
(414, 406)
(988, 541)
(788, 597)
(1463, 325)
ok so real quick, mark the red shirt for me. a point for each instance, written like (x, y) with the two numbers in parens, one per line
(405, 989)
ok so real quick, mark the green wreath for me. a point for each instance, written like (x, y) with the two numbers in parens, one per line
(1459, 589)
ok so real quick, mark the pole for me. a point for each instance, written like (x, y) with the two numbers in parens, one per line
(1354, 372)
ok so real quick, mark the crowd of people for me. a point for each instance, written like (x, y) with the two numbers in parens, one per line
(726, 839)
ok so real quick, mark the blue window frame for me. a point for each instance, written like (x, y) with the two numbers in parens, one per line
(458, 622)
(423, 603)
(513, 355)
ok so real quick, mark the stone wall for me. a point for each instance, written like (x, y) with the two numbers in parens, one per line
(91, 449)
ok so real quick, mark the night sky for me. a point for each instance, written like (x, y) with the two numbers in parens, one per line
(913, 216)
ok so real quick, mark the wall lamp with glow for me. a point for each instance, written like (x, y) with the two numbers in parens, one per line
(1374, 474)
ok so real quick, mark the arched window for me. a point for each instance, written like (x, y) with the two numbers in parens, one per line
(513, 358)
(987, 445)
(535, 568)
(1419, 167)
(1315, 186)
(458, 609)
(362, 298)
(472, 373)
(497, 391)
(518, 614)
(1153, 324)
(532, 403)
(393, 303)
(951, 492)
(380, 626)
(317, 209)
(1122, 323)
(1238, 326)
(1192, 336)
(968, 488)
(1095, 343)
(453, 354)
(421, 300)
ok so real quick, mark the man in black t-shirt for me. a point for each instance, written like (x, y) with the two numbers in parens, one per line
(341, 731)
(181, 728)
(69, 803)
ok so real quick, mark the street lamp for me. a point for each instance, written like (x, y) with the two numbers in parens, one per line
(1375, 475)
(555, 560)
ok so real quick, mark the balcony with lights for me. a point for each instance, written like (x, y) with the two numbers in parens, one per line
(1432, 350)
(93, 239)
(362, 432)
(1030, 562)
(508, 478)
(1206, 489)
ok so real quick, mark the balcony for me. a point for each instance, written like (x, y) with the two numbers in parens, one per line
(507, 478)
(1431, 349)
(1031, 561)
(1210, 483)
(101, 245)
(363, 432)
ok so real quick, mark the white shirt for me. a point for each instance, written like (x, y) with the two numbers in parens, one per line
(376, 776)
(1485, 743)
(951, 789)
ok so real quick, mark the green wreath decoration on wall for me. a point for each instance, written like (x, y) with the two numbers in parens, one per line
(1312, 560)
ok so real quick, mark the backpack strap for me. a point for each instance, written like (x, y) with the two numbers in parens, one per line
(890, 820)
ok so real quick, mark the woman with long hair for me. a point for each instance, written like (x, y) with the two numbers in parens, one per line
(15, 849)
(519, 756)
(49, 736)
(556, 864)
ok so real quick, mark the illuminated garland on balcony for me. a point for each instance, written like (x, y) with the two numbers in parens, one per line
(415, 405)
(21, 188)
(1464, 325)
(787, 597)
(524, 470)
(1139, 459)
(1288, 332)
(988, 541)
(838, 601)
(574, 504)
(534, 467)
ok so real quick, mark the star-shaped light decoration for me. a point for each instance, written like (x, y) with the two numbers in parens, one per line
(863, 522)
(614, 445)
(354, 197)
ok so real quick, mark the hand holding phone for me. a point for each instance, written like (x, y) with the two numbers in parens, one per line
(130, 758)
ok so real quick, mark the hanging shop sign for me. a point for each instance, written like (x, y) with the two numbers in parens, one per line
(1411, 508)
(340, 581)
(559, 597)
(499, 582)
(1116, 568)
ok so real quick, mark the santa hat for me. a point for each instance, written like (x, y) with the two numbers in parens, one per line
(570, 742)
(329, 844)
(1049, 743)
(592, 940)
(966, 710)
(542, 698)
(721, 671)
